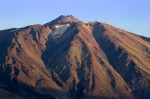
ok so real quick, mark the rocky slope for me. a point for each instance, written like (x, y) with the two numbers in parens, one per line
(69, 58)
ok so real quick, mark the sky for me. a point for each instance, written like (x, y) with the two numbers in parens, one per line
(130, 15)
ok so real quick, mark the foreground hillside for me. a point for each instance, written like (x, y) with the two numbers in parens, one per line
(71, 59)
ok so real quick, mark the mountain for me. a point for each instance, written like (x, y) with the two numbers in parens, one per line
(72, 59)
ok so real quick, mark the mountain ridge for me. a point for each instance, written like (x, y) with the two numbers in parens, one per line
(69, 58)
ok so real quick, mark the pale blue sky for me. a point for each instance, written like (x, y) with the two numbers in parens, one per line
(131, 15)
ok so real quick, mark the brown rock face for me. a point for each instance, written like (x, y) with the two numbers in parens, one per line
(71, 59)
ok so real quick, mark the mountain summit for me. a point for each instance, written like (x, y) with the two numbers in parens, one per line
(71, 59)
(63, 19)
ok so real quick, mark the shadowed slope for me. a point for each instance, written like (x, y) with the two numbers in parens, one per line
(128, 54)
